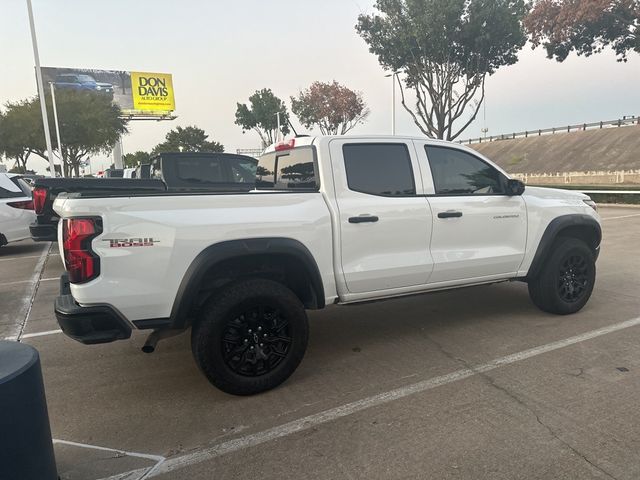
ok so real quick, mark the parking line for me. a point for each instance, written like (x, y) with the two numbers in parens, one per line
(21, 258)
(40, 334)
(144, 471)
(27, 300)
(621, 216)
(18, 282)
(304, 423)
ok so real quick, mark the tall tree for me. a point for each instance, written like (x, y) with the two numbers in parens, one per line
(131, 160)
(261, 116)
(585, 27)
(187, 139)
(444, 49)
(17, 133)
(89, 124)
(334, 108)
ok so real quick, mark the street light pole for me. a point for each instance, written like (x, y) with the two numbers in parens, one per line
(393, 76)
(393, 103)
(55, 119)
(43, 106)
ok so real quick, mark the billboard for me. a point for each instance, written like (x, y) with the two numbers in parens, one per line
(136, 93)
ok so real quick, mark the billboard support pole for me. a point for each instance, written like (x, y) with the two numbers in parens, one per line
(55, 119)
(43, 106)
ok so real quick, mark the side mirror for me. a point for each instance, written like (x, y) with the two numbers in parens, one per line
(514, 187)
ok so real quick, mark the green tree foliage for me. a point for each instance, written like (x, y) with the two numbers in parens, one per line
(17, 133)
(187, 139)
(131, 160)
(89, 124)
(260, 115)
(585, 27)
(334, 108)
(444, 49)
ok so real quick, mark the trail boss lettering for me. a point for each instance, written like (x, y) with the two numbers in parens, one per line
(130, 242)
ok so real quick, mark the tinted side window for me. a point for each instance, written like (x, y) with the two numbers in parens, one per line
(198, 170)
(288, 170)
(4, 193)
(266, 171)
(24, 186)
(295, 172)
(459, 173)
(379, 168)
(243, 169)
(155, 171)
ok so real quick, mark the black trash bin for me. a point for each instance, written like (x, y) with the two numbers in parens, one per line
(26, 449)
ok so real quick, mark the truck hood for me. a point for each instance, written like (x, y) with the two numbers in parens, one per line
(554, 193)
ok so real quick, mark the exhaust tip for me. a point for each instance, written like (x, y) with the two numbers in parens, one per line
(148, 348)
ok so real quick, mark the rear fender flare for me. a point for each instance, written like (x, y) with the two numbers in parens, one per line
(216, 253)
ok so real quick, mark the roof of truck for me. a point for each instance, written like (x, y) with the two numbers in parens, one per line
(303, 140)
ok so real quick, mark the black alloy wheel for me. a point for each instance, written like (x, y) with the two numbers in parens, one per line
(256, 341)
(250, 336)
(566, 279)
(573, 278)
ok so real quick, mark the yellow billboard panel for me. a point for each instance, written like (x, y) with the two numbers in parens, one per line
(152, 91)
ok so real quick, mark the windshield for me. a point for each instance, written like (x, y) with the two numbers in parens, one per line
(86, 78)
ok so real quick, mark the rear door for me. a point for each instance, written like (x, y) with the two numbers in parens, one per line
(479, 231)
(385, 223)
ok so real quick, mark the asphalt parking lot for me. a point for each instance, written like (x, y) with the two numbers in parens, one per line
(468, 384)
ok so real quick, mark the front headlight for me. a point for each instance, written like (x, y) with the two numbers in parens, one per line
(592, 204)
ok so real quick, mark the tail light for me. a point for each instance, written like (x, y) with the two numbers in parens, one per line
(80, 260)
(23, 204)
(39, 198)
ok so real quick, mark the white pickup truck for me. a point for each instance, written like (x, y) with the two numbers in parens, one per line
(332, 220)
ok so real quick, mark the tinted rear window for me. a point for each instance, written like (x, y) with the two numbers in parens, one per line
(288, 170)
(206, 170)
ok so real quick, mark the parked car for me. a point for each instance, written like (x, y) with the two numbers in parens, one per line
(16, 208)
(171, 172)
(335, 220)
(130, 173)
(82, 82)
(113, 173)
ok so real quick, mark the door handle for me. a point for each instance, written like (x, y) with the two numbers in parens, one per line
(449, 214)
(363, 219)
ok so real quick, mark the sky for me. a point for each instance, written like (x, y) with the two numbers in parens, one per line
(220, 52)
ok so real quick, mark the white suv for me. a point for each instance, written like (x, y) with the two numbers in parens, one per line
(16, 208)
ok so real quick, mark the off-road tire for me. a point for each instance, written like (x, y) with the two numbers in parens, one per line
(220, 319)
(557, 288)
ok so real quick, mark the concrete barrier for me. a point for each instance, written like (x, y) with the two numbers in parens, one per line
(26, 448)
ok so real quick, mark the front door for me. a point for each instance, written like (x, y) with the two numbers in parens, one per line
(479, 231)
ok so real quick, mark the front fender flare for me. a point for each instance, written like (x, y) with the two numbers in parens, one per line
(555, 229)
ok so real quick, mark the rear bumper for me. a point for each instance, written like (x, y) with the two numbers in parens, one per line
(43, 231)
(91, 324)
